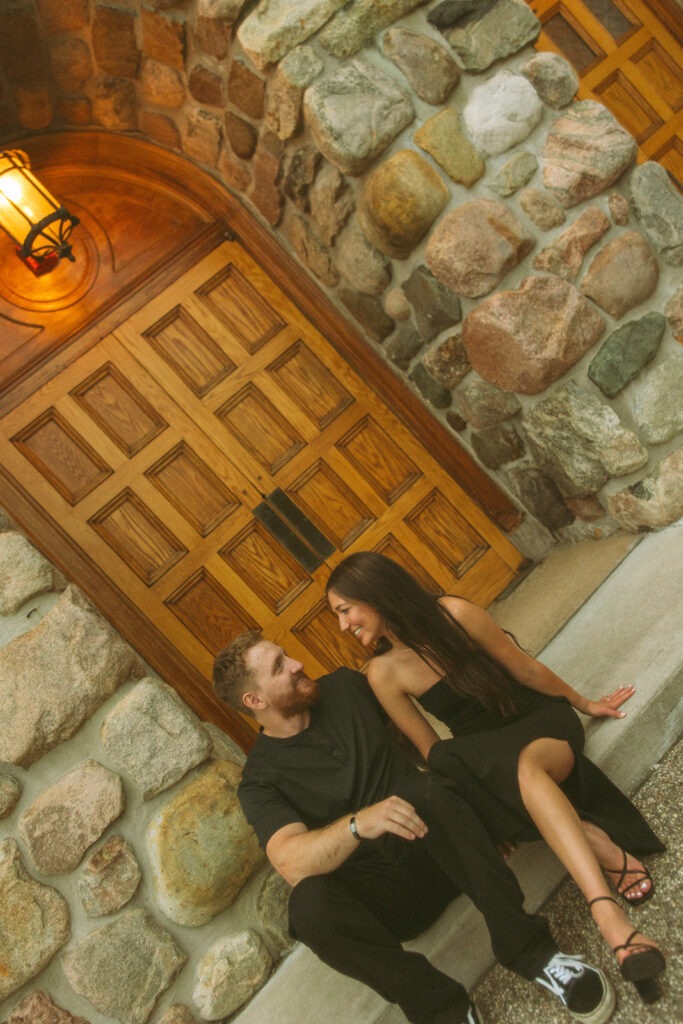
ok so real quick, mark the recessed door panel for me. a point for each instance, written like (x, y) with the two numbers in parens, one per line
(216, 457)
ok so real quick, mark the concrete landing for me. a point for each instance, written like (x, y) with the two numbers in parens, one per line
(538, 607)
(629, 631)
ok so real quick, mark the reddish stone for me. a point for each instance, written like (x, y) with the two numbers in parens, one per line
(265, 195)
(588, 508)
(63, 15)
(241, 136)
(618, 208)
(160, 128)
(206, 87)
(271, 143)
(22, 51)
(38, 1008)
(202, 137)
(622, 275)
(214, 36)
(565, 255)
(162, 85)
(585, 151)
(75, 109)
(235, 175)
(113, 41)
(674, 313)
(163, 38)
(246, 90)
(34, 108)
(474, 247)
(524, 340)
(70, 64)
(545, 212)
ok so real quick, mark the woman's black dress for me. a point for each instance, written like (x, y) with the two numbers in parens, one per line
(482, 759)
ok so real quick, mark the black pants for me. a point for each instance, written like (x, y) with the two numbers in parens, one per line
(391, 889)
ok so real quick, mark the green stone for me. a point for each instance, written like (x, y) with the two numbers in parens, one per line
(443, 138)
(626, 352)
(403, 347)
(430, 390)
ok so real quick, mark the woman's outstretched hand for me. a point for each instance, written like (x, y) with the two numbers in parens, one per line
(608, 706)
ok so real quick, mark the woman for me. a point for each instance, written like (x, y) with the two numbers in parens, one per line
(516, 751)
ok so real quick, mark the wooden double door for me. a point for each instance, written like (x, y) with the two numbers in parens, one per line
(215, 457)
(629, 56)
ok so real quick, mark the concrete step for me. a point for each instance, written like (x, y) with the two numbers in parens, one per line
(629, 631)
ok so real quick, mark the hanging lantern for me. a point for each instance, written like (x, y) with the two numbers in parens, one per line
(32, 217)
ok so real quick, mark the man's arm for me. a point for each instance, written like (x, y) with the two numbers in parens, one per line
(295, 852)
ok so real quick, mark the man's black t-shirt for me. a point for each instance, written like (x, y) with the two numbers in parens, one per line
(343, 761)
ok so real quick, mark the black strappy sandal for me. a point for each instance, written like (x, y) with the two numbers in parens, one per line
(641, 968)
(643, 875)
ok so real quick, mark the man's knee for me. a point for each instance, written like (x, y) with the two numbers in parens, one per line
(313, 904)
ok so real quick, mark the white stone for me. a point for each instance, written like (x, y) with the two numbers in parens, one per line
(34, 921)
(24, 572)
(231, 971)
(123, 967)
(275, 27)
(153, 736)
(579, 441)
(502, 112)
(658, 407)
(57, 675)
(653, 502)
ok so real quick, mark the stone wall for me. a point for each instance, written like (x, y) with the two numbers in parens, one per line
(491, 236)
(131, 887)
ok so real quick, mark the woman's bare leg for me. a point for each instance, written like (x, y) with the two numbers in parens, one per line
(543, 764)
(610, 857)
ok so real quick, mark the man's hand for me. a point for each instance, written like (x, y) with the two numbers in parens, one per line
(391, 815)
(296, 852)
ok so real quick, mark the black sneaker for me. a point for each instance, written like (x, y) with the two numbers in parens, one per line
(583, 989)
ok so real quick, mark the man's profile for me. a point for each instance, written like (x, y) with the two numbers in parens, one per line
(374, 848)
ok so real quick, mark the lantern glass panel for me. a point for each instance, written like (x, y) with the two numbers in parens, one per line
(23, 200)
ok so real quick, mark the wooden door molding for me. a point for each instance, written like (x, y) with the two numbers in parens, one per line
(157, 451)
(23, 428)
(103, 149)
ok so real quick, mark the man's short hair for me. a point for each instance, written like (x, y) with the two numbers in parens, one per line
(232, 678)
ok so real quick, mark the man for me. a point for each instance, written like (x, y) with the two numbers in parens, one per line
(374, 848)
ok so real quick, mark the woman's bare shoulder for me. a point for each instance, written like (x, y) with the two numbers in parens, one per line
(459, 607)
(379, 670)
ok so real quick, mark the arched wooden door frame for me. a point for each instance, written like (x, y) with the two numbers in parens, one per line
(115, 151)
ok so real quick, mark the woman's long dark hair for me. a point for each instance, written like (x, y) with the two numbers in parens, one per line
(419, 621)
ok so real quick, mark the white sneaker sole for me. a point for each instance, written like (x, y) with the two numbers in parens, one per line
(605, 1008)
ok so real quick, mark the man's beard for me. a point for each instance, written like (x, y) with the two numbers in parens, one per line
(305, 697)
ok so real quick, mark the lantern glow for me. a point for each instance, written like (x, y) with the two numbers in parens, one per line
(37, 223)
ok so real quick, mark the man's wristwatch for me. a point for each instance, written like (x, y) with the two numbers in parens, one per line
(354, 830)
